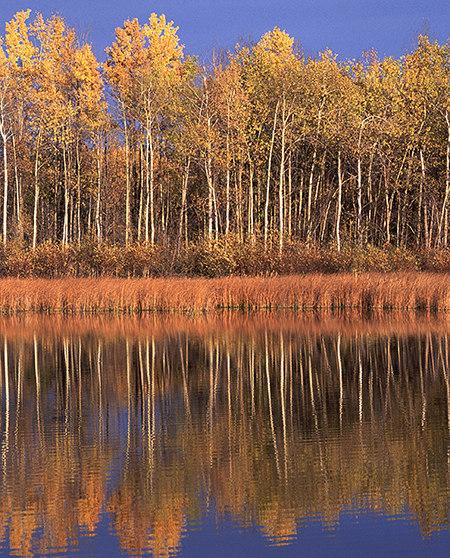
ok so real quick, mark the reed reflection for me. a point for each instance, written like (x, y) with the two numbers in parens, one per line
(267, 423)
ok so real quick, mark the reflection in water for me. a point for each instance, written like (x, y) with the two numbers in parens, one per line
(265, 421)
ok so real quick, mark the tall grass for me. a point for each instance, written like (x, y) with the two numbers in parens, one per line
(367, 291)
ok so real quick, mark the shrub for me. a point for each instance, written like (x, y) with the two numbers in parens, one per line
(53, 260)
(217, 258)
(207, 259)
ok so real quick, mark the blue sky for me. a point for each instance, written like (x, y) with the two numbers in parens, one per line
(348, 27)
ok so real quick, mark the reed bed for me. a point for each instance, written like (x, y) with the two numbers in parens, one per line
(368, 292)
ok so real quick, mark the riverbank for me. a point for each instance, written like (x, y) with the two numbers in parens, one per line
(366, 291)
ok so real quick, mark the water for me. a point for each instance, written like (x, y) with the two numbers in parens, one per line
(265, 435)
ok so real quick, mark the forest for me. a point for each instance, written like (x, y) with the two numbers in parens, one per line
(262, 151)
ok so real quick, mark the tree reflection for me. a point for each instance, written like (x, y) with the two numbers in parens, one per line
(267, 425)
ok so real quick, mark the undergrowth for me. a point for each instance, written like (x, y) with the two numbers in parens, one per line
(218, 258)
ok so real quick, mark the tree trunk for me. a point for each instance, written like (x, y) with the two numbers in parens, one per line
(36, 188)
(183, 202)
(447, 182)
(269, 170)
(359, 192)
(142, 201)
(388, 207)
(98, 219)
(311, 178)
(78, 194)
(5, 183)
(310, 196)
(281, 185)
(150, 187)
(209, 179)
(251, 228)
(289, 201)
(227, 194)
(339, 204)
(128, 181)
(239, 204)
(18, 192)
(425, 205)
(65, 237)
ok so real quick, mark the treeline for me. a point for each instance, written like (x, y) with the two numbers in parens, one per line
(264, 144)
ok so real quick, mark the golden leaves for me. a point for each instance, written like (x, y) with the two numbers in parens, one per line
(138, 50)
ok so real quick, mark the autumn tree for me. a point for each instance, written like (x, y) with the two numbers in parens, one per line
(272, 73)
(91, 123)
(425, 115)
(233, 109)
(143, 68)
(16, 55)
(427, 75)
(5, 127)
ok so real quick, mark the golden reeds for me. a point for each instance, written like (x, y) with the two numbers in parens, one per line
(369, 292)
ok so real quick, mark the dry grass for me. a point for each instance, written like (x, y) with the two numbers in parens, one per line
(371, 291)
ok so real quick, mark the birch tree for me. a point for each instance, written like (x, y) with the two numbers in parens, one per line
(143, 68)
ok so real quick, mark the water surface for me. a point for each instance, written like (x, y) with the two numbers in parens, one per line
(262, 435)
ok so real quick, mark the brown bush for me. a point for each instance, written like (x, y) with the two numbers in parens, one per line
(226, 256)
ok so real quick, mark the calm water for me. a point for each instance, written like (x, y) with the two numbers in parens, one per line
(266, 435)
